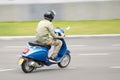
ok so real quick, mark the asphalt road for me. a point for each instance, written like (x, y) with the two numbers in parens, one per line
(93, 58)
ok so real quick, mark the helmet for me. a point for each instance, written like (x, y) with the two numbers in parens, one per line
(49, 15)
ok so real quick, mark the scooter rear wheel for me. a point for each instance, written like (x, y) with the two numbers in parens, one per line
(26, 68)
(65, 61)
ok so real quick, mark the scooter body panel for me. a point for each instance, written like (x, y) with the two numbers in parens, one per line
(37, 53)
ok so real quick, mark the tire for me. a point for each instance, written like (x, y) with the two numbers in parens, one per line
(26, 68)
(65, 61)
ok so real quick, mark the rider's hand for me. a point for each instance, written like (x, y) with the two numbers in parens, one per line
(62, 35)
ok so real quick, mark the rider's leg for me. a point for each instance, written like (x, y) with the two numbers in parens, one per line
(58, 44)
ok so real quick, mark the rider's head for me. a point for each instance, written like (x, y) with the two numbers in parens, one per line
(49, 15)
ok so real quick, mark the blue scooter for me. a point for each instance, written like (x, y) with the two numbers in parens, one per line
(36, 55)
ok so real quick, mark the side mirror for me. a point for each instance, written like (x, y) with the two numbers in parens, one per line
(68, 27)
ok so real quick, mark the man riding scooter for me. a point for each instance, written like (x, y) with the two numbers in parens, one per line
(44, 29)
(35, 55)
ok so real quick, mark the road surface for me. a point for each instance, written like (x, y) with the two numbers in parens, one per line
(93, 58)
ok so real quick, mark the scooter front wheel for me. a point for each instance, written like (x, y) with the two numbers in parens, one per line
(65, 61)
(26, 68)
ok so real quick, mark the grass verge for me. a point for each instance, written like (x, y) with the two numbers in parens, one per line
(27, 28)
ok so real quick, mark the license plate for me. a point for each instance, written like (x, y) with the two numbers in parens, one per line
(20, 61)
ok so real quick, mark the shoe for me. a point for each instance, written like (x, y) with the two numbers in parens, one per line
(52, 59)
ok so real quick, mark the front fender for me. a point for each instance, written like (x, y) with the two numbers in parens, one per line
(67, 52)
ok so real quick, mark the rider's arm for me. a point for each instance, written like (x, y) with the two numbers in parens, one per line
(51, 30)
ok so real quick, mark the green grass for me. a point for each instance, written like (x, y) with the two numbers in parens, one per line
(27, 28)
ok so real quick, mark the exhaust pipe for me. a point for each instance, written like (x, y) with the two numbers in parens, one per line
(34, 64)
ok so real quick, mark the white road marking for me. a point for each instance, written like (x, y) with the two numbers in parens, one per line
(19, 55)
(94, 54)
(26, 45)
(115, 67)
(116, 45)
(2, 70)
(77, 45)
(71, 67)
(14, 46)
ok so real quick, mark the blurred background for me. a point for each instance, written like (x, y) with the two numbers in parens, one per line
(29, 10)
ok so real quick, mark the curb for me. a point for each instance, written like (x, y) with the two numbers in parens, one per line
(71, 36)
(96, 35)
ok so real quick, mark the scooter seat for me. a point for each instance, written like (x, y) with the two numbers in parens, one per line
(35, 43)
